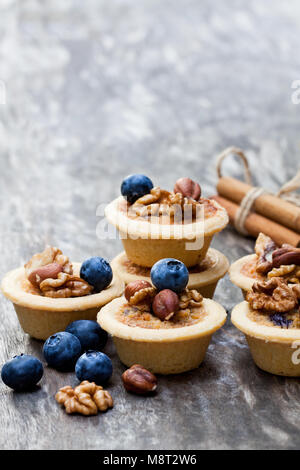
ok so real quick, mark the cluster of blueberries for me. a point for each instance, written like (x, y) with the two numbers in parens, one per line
(78, 347)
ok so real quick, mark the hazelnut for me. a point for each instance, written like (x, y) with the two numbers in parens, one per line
(134, 287)
(188, 188)
(139, 380)
(49, 271)
(165, 304)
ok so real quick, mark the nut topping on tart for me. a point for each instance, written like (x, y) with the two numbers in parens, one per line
(190, 299)
(167, 305)
(273, 261)
(188, 188)
(275, 301)
(273, 295)
(50, 255)
(286, 255)
(65, 286)
(50, 273)
(182, 205)
(163, 203)
(44, 272)
(264, 248)
(139, 291)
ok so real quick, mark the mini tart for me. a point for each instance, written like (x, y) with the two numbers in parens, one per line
(203, 277)
(164, 350)
(242, 273)
(41, 316)
(273, 349)
(147, 242)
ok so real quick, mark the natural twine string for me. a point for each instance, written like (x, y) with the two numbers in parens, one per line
(255, 192)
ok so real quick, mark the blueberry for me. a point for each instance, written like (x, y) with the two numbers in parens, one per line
(97, 272)
(136, 186)
(279, 319)
(22, 372)
(169, 273)
(89, 333)
(62, 350)
(94, 366)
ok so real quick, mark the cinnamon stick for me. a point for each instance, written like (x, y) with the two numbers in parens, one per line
(256, 223)
(272, 207)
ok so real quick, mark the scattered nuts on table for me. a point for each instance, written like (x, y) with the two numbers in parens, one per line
(139, 380)
(86, 399)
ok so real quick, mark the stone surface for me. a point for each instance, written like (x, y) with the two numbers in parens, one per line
(97, 90)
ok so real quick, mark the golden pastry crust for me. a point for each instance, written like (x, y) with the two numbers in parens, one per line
(14, 288)
(116, 214)
(210, 270)
(213, 319)
(133, 317)
(238, 272)
(273, 349)
(242, 317)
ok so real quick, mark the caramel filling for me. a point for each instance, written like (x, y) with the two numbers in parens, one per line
(290, 320)
(249, 269)
(132, 316)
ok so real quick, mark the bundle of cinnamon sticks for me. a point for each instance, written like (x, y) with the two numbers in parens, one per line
(271, 215)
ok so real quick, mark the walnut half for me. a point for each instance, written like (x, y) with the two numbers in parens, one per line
(50, 255)
(64, 286)
(273, 295)
(86, 399)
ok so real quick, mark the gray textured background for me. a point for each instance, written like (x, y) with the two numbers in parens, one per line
(96, 90)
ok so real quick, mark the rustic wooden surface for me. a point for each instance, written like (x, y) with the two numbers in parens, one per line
(96, 90)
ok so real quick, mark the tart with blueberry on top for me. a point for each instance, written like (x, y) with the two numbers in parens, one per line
(203, 277)
(268, 261)
(164, 326)
(49, 292)
(270, 320)
(155, 223)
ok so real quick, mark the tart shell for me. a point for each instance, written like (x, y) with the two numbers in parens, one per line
(204, 282)
(145, 242)
(41, 316)
(238, 278)
(162, 351)
(273, 349)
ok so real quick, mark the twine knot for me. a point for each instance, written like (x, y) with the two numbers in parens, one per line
(255, 192)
